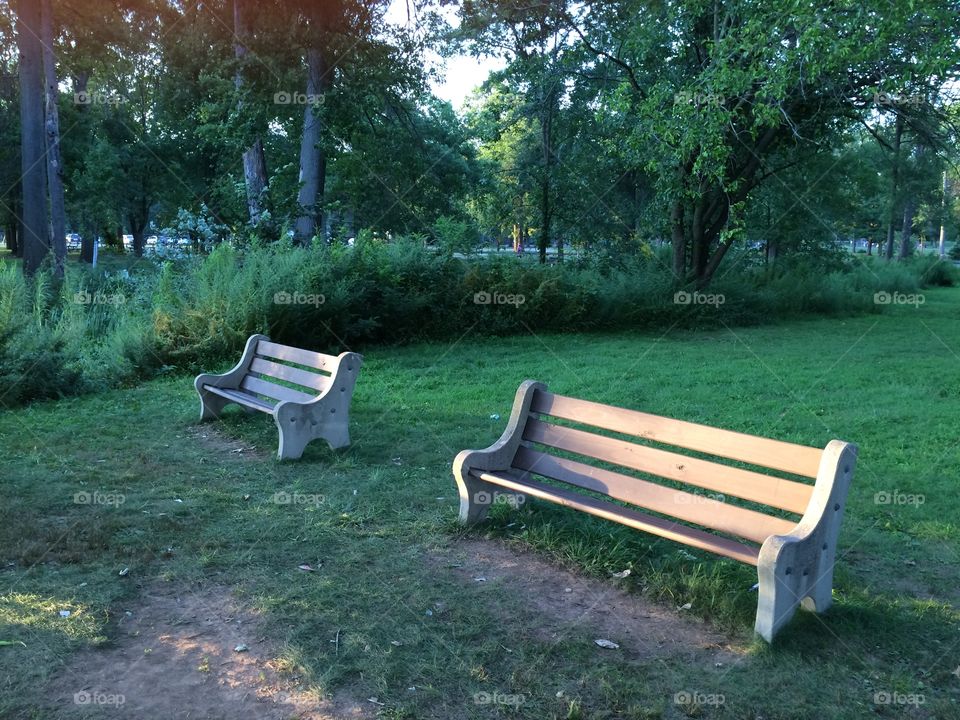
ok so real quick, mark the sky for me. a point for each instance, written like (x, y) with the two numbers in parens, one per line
(461, 73)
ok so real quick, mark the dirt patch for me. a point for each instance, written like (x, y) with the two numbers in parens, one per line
(173, 656)
(210, 438)
(564, 605)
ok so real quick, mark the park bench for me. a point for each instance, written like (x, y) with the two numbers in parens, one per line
(542, 455)
(317, 407)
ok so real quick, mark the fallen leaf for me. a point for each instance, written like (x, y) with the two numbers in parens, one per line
(608, 644)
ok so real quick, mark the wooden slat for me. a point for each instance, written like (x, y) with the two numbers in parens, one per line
(277, 392)
(710, 513)
(304, 378)
(746, 484)
(241, 397)
(296, 355)
(626, 516)
(788, 457)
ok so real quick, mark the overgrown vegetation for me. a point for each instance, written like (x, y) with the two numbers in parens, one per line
(100, 329)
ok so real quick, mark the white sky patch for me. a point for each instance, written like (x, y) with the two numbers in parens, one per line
(461, 73)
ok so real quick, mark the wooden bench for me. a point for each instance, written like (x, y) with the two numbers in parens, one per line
(789, 530)
(319, 407)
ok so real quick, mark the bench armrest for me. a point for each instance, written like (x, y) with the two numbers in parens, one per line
(498, 456)
(797, 568)
(232, 378)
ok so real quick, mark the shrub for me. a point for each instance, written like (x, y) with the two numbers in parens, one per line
(99, 329)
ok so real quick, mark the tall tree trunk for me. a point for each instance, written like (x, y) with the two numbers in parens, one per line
(678, 239)
(36, 232)
(894, 186)
(58, 217)
(254, 160)
(546, 200)
(88, 239)
(545, 219)
(906, 245)
(312, 157)
(10, 236)
(943, 217)
(137, 229)
(255, 178)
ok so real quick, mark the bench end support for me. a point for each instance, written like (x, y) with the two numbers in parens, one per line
(797, 569)
(475, 494)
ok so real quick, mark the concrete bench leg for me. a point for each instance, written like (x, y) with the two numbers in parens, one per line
(299, 427)
(797, 569)
(475, 498)
(211, 405)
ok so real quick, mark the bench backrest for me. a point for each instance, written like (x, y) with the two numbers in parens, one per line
(310, 371)
(543, 435)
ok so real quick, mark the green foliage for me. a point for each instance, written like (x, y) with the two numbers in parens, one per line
(455, 236)
(103, 328)
(87, 334)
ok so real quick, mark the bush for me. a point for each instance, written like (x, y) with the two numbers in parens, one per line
(100, 329)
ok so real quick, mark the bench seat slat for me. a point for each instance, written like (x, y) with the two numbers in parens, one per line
(748, 485)
(241, 397)
(707, 512)
(272, 390)
(775, 454)
(626, 516)
(304, 378)
(296, 355)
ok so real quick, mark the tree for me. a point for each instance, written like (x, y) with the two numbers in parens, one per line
(35, 233)
(533, 35)
(716, 89)
(51, 95)
(254, 159)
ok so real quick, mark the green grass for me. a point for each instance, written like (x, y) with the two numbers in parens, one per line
(887, 382)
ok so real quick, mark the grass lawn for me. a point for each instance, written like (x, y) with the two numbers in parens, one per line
(385, 614)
